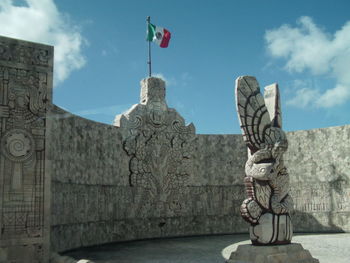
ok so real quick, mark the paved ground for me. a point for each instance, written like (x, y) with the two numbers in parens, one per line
(328, 248)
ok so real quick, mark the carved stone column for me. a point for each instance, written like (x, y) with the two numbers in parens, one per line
(25, 96)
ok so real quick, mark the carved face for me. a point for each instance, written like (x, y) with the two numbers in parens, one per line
(261, 171)
(261, 165)
(264, 164)
(157, 117)
(20, 102)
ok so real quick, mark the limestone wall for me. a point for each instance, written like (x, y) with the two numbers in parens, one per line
(152, 176)
(89, 171)
(97, 197)
(93, 203)
(318, 162)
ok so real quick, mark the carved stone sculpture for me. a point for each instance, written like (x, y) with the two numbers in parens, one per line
(25, 97)
(160, 148)
(268, 204)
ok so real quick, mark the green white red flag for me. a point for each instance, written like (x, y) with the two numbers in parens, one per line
(159, 35)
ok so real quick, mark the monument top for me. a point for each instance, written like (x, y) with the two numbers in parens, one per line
(152, 90)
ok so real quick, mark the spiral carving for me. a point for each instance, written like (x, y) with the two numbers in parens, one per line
(17, 145)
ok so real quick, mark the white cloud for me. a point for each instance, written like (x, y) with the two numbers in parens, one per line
(308, 47)
(40, 21)
(186, 78)
(332, 97)
(109, 110)
(168, 81)
(304, 91)
(182, 80)
(304, 97)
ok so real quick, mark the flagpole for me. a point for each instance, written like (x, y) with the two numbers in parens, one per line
(149, 50)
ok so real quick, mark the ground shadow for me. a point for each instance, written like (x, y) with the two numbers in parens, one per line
(175, 250)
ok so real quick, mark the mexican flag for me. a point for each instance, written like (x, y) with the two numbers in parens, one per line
(159, 35)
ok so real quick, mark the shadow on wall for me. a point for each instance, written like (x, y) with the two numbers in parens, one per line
(307, 223)
(322, 206)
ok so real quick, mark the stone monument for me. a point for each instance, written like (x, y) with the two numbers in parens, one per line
(25, 97)
(160, 148)
(268, 204)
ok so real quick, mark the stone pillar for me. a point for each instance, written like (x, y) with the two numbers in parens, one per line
(25, 95)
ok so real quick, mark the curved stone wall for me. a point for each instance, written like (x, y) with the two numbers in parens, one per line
(152, 180)
(318, 162)
(93, 201)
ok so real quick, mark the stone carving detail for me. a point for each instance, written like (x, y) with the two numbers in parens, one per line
(268, 204)
(19, 53)
(17, 145)
(160, 147)
(25, 85)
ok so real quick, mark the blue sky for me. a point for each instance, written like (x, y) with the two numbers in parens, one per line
(101, 55)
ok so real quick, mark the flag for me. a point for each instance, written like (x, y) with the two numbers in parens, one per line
(159, 35)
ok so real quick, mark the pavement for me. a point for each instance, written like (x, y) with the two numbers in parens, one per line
(327, 248)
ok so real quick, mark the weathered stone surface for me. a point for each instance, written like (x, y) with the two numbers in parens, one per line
(318, 162)
(89, 173)
(291, 253)
(25, 97)
(220, 160)
(85, 152)
(94, 203)
(160, 147)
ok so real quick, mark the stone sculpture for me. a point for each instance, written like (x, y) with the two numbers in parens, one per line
(160, 148)
(268, 204)
(25, 97)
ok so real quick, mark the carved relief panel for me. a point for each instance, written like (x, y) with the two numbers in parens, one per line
(25, 95)
(160, 147)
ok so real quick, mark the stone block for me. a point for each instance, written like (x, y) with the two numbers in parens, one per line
(291, 253)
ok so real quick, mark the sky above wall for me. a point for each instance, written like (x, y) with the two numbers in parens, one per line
(101, 55)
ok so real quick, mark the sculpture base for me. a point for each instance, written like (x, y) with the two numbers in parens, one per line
(292, 253)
